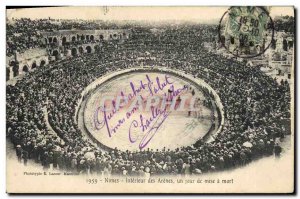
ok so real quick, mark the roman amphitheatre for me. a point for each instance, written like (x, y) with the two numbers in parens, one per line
(245, 114)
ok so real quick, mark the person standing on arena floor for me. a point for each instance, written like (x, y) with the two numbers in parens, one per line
(19, 153)
(277, 150)
(25, 157)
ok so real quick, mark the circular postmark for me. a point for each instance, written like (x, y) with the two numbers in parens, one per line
(246, 31)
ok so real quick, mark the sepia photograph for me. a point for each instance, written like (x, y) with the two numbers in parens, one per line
(150, 99)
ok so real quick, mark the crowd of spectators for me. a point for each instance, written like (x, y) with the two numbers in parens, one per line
(25, 33)
(255, 107)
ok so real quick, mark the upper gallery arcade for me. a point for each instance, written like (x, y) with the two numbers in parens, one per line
(61, 44)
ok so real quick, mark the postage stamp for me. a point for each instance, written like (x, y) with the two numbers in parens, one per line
(246, 31)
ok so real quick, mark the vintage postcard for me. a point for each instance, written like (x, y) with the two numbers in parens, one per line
(150, 99)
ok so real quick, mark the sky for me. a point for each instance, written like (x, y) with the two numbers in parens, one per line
(200, 14)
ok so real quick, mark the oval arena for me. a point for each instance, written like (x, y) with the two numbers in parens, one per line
(53, 116)
(181, 128)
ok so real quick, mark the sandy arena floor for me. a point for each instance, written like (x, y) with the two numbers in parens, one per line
(176, 128)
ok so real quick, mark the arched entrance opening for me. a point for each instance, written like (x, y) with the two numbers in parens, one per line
(33, 65)
(74, 52)
(54, 40)
(101, 37)
(290, 44)
(115, 36)
(50, 39)
(81, 50)
(64, 40)
(92, 37)
(25, 68)
(43, 62)
(73, 38)
(87, 37)
(88, 49)
(82, 37)
(55, 54)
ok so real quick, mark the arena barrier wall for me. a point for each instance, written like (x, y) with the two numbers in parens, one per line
(209, 137)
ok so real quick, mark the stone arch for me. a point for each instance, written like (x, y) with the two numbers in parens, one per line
(33, 65)
(25, 68)
(43, 62)
(80, 49)
(87, 37)
(74, 52)
(115, 36)
(54, 40)
(82, 37)
(290, 44)
(55, 53)
(73, 38)
(64, 40)
(92, 38)
(88, 49)
(50, 39)
(101, 37)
